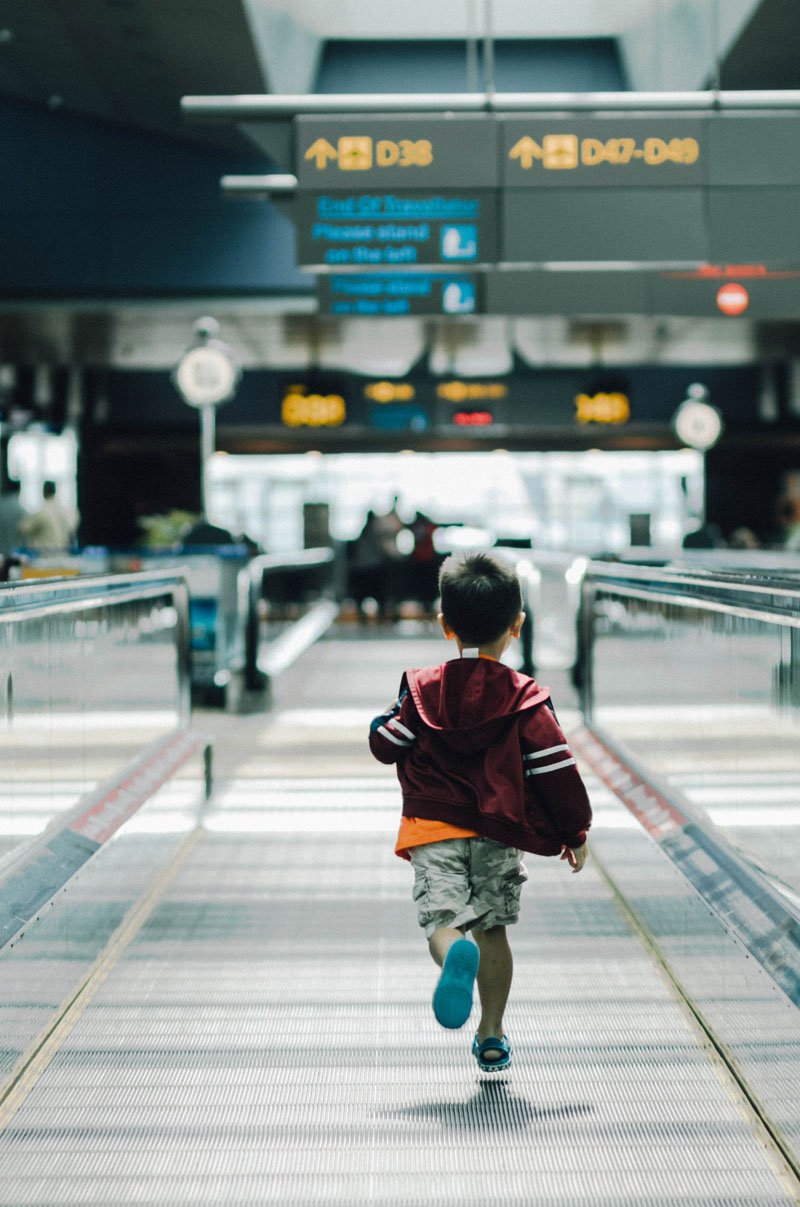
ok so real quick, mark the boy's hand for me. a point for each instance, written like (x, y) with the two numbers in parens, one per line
(575, 857)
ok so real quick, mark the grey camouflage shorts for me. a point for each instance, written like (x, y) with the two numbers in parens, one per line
(467, 883)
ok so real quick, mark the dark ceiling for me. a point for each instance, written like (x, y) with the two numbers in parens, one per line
(129, 61)
(767, 53)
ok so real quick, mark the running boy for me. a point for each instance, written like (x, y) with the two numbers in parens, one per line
(486, 773)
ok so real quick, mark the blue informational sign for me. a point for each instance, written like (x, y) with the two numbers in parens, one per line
(395, 231)
(395, 417)
(382, 294)
(203, 623)
(459, 243)
(459, 295)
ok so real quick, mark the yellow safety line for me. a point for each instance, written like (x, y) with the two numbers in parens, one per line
(33, 1063)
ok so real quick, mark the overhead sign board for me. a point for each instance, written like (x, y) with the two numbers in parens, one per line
(453, 151)
(587, 152)
(634, 225)
(773, 294)
(415, 191)
(428, 190)
(607, 189)
(754, 150)
(396, 230)
(423, 293)
(770, 294)
(754, 224)
(536, 292)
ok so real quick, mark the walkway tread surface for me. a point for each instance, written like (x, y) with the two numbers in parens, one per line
(268, 1038)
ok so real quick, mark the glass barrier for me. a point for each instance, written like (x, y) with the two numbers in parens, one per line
(216, 619)
(551, 584)
(691, 693)
(698, 676)
(92, 670)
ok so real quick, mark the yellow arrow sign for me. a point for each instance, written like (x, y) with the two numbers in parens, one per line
(526, 150)
(321, 151)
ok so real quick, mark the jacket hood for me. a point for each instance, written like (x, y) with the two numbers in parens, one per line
(470, 700)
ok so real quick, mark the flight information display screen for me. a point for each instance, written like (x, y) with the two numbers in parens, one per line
(525, 400)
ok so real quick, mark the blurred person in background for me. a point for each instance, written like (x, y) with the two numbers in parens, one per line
(788, 512)
(12, 513)
(707, 536)
(50, 529)
(202, 532)
(424, 561)
(789, 520)
(743, 538)
(366, 566)
(387, 528)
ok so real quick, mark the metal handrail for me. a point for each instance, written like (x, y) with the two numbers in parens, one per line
(757, 582)
(310, 558)
(758, 596)
(745, 897)
(78, 584)
(255, 106)
(38, 870)
(58, 607)
(250, 586)
(706, 603)
(104, 590)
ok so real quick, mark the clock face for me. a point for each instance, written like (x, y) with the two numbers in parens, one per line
(698, 424)
(207, 375)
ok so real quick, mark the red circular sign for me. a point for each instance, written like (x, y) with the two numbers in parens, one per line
(733, 298)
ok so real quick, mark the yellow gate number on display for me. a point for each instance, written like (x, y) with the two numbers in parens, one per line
(564, 151)
(299, 409)
(602, 408)
(358, 154)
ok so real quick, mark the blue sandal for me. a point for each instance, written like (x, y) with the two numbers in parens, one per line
(492, 1044)
(452, 998)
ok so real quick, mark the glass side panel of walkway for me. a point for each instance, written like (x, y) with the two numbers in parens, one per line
(266, 1037)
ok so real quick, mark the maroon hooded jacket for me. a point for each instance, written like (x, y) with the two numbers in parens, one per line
(477, 745)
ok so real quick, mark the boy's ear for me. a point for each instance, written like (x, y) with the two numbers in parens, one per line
(445, 627)
(517, 625)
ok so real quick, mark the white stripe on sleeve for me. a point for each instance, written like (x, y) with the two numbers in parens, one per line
(395, 724)
(397, 741)
(541, 754)
(554, 767)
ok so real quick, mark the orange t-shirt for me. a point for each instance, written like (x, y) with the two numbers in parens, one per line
(417, 831)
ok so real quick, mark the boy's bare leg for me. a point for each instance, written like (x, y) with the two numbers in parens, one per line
(494, 983)
(442, 940)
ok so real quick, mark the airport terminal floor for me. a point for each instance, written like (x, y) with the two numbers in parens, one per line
(261, 1031)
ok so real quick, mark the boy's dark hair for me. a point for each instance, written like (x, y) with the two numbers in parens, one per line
(480, 596)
